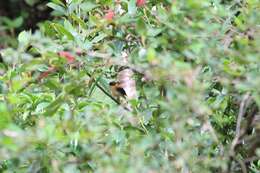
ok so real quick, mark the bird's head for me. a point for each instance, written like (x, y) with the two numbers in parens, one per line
(113, 83)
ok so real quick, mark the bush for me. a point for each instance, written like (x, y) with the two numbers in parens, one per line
(196, 68)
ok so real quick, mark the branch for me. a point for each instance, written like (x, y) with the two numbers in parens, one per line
(104, 91)
(107, 93)
(239, 120)
(242, 165)
(242, 108)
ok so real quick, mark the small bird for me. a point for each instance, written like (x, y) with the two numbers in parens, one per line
(117, 90)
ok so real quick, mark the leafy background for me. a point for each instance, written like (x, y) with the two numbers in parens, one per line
(196, 67)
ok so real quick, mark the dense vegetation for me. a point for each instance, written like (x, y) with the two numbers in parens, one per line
(194, 73)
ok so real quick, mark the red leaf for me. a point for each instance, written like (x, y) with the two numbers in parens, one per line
(69, 57)
(46, 73)
(140, 3)
(109, 15)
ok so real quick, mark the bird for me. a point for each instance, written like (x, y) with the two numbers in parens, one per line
(117, 90)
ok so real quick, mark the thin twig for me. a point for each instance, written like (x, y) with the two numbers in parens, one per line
(242, 165)
(239, 120)
(235, 141)
(104, 91)
(107, 93)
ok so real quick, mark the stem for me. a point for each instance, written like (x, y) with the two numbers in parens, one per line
(107, 93)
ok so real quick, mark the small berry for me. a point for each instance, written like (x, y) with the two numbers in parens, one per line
(140, 3)
(109, 15)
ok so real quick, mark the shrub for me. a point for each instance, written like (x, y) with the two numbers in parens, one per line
(196, 68)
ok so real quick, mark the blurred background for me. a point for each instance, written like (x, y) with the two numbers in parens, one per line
(19, 15)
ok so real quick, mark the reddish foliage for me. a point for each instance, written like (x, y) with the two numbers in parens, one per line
(109, 15)
(140, 3)
(46, 73)
(69, 57)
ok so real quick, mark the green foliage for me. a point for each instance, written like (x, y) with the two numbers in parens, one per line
(194, 62)
(17, 15)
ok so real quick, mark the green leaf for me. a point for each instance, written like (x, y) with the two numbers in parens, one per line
(62, 31)
(93, 86)
(57, 7)
(69, 27)
(24, 37)
(132, 7)
(34, 64)
(59, 2)
(15, 23)
(141, 27)
(79, 21)
(88, 6)
(52, 108)
(31, 2)
(151, 55)
(4, 116)
(98, 38)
